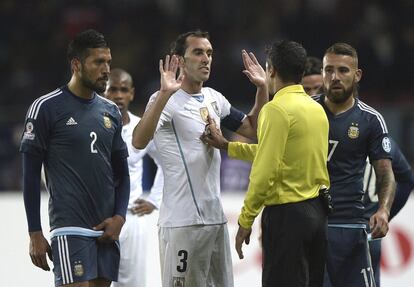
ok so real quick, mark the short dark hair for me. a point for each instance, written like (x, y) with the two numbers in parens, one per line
(78, 47)
(313, 66)
(179, 46)
(288, 58)
(343, 49)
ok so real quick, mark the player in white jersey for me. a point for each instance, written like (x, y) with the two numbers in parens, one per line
(194, 245)
(132, 269)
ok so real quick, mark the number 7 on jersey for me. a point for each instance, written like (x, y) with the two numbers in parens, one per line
(332, 146)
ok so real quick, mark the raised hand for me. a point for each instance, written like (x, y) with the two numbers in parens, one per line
(253, 70)
(170, 83)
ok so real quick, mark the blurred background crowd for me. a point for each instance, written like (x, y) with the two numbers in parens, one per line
(35, 35)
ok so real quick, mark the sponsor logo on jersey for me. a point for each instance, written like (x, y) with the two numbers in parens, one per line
(353, 131)
(178, 281)
(71, 122)
(78, 269)
(204, 113)
(386, 144)
(215, 108)
(28, 135)
(107, 122)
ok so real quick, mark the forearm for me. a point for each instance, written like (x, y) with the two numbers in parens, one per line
(386, 186)
(262, 97)
(144, 130)
(242, 151)
(31, 191)
(122, 186)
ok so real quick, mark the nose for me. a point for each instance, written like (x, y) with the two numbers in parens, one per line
(205, 58)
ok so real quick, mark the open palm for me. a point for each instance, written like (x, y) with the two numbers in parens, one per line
(253, 70)
(168, 72)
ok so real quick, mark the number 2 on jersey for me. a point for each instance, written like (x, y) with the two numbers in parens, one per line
(94, 137)
(332, 146)
(183, 260)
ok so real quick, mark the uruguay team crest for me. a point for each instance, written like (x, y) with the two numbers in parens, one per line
(78, 269)
(204, 113)
(107, 122)
(215, 107)
(353, 131)
(178, 282)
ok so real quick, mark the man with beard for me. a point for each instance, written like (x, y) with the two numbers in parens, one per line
(356, 132)
(76, 134)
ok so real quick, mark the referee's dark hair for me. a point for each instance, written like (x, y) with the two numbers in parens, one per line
(288, 58)
(80, 45)
(179, 46)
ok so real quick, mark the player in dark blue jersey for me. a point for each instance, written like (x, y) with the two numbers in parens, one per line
(404, 178)
(356, 132)
(76, 135)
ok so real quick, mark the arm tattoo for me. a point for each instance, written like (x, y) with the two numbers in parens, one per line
(385, 183)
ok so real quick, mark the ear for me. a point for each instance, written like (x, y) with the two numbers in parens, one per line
(358, 75)
(75, 65)
(132, 94)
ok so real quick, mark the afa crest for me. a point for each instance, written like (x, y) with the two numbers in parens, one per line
(107, 122)
(353, 131)
(78, 269)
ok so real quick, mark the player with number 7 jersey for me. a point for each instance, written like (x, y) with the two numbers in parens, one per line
(353, 135)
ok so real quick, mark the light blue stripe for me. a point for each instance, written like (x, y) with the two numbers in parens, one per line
(186, 169)
(357, 225)
(75, 231)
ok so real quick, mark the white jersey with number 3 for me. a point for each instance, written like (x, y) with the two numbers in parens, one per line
(191, 168)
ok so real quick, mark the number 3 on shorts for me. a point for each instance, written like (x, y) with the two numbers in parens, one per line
(183, 266)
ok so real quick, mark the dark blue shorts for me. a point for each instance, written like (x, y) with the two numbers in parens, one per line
(348, 261)
(79, 258)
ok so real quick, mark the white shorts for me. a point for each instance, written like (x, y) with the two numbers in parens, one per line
(195, 256)
(133, 241)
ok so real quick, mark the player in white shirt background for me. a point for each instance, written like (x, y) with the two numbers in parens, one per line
(132, 269)
(194, 244)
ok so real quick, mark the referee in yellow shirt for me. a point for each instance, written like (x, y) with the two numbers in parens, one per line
(289, 169)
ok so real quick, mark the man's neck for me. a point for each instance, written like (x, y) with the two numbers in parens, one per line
(192, 87)
(79, 90)
(339, 108)
(125, 118)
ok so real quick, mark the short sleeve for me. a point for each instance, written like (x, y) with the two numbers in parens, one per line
(35, 137)
(379, 142)
(119, 147)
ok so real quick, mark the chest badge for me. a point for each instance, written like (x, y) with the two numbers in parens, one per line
(353, 131)
(215, 108)
(204, 113)
(107, 122)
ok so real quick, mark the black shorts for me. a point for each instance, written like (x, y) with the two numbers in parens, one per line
(294, 244)
(80, 258)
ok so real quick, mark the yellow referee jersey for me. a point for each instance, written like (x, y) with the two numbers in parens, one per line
(290, 159)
